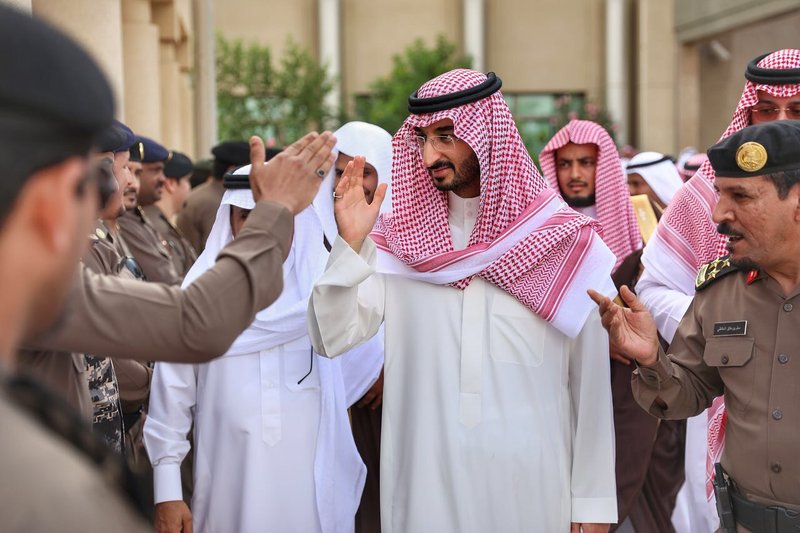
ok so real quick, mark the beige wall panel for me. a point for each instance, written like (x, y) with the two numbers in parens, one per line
(187, 144)
(698, 19)
(721, 81)
(376, 30)
(171, 130)
(268, 22)
(656, 79)
(688, 92)
(98, 27)
(547, 45)
(141, 59)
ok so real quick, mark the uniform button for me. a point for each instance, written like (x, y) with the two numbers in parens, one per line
(783, 358)
(725, 359)
(788, 307)
(776, 468)
(777, 414)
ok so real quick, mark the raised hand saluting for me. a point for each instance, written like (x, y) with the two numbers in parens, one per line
(354, 216)
(631, 330)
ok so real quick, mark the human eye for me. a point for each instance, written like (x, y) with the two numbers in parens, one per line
(766, 110)
(794, 111)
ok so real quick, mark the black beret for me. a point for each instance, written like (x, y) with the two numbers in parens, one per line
(146, 150)
(54, 100)
(758, 150)
(116, 138)
(48, 76)
(178, 165)
(234, 153)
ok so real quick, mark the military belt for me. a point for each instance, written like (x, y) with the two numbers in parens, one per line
(761, 518)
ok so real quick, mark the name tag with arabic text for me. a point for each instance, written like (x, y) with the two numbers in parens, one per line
(730, 329)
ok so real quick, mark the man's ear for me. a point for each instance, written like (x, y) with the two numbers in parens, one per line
(48, 202)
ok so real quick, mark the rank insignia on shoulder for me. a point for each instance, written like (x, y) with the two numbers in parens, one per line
(712, 271)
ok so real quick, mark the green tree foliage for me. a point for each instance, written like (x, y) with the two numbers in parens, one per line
(257, 97)
(387, 103)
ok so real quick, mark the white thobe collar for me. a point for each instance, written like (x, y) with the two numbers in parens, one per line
(590, 211)
(462, 215)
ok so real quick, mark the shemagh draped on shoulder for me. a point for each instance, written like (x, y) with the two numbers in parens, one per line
(614, 210)
(339, 475)
(526, 240)
(686, 237)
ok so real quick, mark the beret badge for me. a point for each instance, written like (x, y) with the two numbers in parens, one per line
(751, 156)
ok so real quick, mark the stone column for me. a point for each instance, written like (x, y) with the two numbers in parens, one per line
(95, 25)
(171, 130)
(205, 78)
(474, 32)
(330, 48)
(688, 112)
(141, 60)
(617, 93)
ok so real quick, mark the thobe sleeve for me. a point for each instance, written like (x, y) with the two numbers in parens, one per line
(667, 305)
(680, 385)
(347, 302)
(593, 483)
(173, 396)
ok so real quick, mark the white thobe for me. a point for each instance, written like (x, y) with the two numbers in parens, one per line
(693, 513)
(493, 420)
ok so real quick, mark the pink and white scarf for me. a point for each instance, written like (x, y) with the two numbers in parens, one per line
(686, 237)
(614, 210)
(526, 240)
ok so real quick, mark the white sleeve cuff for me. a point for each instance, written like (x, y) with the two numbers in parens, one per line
(594, 510)
(167, 482)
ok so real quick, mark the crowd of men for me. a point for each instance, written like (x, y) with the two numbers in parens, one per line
(401, 333)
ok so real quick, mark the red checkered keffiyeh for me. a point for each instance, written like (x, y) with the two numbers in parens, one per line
(614, 210)
(686, 237)
(525, 241)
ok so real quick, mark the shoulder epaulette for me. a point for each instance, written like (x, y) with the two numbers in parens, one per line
(712, 271)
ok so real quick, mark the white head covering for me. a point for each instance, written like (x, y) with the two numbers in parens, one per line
(658, 171)
(357, 138)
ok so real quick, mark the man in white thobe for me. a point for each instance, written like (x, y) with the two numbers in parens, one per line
(497, 405)
(273, 447)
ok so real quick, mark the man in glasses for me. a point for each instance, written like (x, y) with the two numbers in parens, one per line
(685, 239)
(497, 405)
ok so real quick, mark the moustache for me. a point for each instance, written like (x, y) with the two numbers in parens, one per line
(130, 190)
(440, 165)
(577, 182)
(725, 229)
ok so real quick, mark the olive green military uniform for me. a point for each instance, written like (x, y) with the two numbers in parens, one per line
(183, 254)
(148, 248)
(740, 337)
(197, 217)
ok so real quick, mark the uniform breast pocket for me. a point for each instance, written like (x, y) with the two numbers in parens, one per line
(732, 357)
(516, 335)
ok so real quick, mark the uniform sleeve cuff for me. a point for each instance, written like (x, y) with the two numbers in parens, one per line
(594, 510)
(167, 483)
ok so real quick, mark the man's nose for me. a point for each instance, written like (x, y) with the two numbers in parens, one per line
(430, 155)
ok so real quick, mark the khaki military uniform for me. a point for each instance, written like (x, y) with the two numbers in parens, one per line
(197, 217)
(148, 248)
(115, 317)
(741, 338)
(51, 484)
(183, 254)
(64, 373)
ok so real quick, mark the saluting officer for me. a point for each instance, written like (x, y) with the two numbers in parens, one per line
(741, 335)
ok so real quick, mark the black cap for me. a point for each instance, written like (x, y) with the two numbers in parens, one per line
(116, 138)
(178, 165)
(54, 100)
(232, 153)
(146, 150)
(758, 150)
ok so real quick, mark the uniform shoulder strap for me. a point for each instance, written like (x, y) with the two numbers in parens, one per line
(713, 271)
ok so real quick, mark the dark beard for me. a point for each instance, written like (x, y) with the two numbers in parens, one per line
(745, 264)
(581, 201)
(469, 172)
